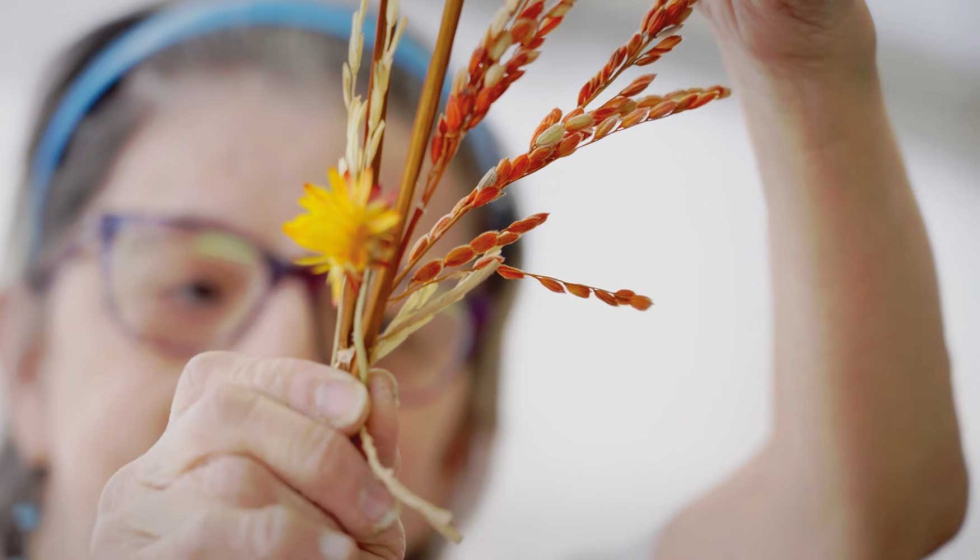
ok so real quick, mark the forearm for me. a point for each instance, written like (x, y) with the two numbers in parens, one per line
(863, 404)
(864, 460)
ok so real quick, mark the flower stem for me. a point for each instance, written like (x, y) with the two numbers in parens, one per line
(424, 119)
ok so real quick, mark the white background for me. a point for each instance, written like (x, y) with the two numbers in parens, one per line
(613, 419)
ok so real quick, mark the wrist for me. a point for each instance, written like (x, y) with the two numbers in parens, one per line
(808, 110)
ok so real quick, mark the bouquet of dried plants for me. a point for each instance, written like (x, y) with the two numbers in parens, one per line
(365, 244)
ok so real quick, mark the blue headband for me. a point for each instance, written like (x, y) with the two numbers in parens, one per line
(173, 26)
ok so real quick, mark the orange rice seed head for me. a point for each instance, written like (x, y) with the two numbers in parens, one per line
(656, 23)
(579, 122)
(484, 242)
(539, 155)
(427, 272)
(662, 110)
(606, 297)
(560, 9)
(548, 26)
(641, 303)
(521, 164)
(668, 44)
(578, 290)
(551, 284)
(486, 261)
(551, 136)
(507, 238)
(523, 30)
(528, 224)
(442, 225)
(510, 273)
(570, 144)
(649, 102)
(627, 108)
(486, 196)
(504, 169)
(421, 246)
(686, 102)
(635, 118)
(624, 296)
(533, 10)
(459, 256)
(572, 114)
(605, 127)
(488, 180)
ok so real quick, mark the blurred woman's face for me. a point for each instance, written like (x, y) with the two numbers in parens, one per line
(234, 151)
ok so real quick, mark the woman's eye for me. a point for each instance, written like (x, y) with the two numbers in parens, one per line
(199, 293)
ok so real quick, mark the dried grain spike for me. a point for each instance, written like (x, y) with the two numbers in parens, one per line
(485, 241)
(638, 86)
(606, 297)
(459, 256)
(427, 272)
(510, 273)
(641, 303)
(486, 261)
(528, 224)
(420, 247)
(551, 284)
(486, 196)
(507, 238)
(578, 290)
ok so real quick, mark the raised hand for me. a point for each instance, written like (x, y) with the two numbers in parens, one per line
(796, 36)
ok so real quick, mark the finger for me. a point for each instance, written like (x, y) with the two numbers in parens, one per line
(316, 460)
(382, 423)
(234, 482)
(320, 392)
(268, 533)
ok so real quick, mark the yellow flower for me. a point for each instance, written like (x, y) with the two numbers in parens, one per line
(343, 226)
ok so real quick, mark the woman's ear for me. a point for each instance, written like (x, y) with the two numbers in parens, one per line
(20, 352)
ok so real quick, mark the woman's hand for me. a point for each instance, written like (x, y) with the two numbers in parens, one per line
(796, 37)
(257, 462)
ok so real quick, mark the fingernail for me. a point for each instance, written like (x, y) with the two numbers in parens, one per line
(334, 546)
(384, 385)
(341, 401)
(379, 507)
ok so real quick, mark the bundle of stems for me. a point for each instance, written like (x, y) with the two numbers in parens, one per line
(363, 242)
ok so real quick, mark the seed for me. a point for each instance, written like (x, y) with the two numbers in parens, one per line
(420, 247)
(635, 118)
(624, 296)
(488, 180)
(494, 74)
(607, 297)
(507, 238)
(638, 86)
(459, 256)
(500, 46)
(521, 164)
(486, 196)
(510, 273)
(552, 285)
(579, 122)
(551, 136)
(605, 127)
(484, 242)
(427, 272)
(523, 29)
(486, 261)
(641, 303)
(504, 169)
(541, 154)
(578, 290)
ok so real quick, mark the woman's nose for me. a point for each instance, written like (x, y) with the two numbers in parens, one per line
(290, 324)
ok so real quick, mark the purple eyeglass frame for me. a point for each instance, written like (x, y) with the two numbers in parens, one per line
(109, 225)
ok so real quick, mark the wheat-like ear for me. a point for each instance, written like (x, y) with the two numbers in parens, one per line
(615, 299)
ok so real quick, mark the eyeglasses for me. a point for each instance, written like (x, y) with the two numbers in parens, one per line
(187, 286)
